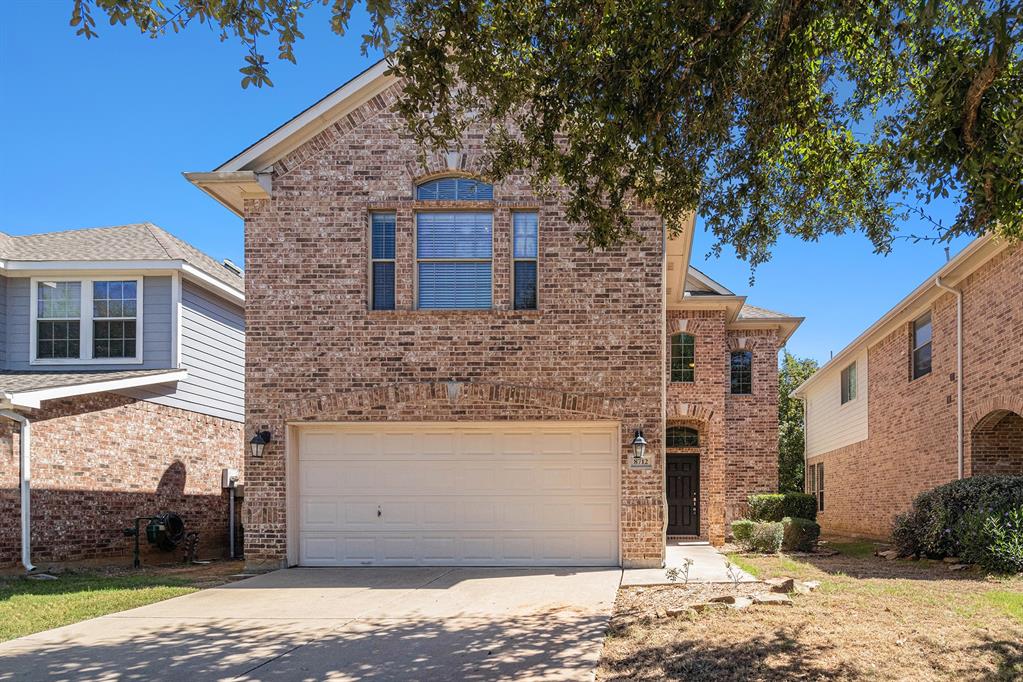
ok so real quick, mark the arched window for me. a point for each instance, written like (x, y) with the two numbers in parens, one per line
(683, 357)
(455, 189)
(682, 437)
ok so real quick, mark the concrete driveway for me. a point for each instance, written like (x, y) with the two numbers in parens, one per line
(343, 624)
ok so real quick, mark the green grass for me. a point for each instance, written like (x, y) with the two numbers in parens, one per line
(854, 548)
(744, 565)
(1009, 602)
(28, 606)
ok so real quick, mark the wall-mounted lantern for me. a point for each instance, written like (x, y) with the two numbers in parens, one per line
(639, 457)
(259, 442)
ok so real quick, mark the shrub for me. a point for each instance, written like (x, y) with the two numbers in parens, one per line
(800, 535)
(741, 531)
(964, 518)
(765, 537)
(776, 506)
(1004, 538)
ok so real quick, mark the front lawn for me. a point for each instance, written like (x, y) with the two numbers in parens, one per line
(28, 605)
(870, 619)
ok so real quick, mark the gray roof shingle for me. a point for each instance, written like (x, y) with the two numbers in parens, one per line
(752, 312)
(139, 241)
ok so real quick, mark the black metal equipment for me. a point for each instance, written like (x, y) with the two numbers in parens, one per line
(165, 531)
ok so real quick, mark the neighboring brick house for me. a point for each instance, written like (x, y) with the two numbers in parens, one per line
(883, 418)
(447, 376)
(122, 355)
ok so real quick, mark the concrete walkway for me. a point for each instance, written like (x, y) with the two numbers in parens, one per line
(708, 566)
(343, 624)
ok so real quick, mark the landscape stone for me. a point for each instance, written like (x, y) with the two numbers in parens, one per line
(781, 585)
(772, 599)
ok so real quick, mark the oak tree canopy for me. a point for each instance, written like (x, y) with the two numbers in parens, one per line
(806, 117)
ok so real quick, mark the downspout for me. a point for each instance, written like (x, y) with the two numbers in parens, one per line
(959, 368)
(25, 458)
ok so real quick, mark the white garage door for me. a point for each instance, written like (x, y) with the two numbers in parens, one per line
(458, 494)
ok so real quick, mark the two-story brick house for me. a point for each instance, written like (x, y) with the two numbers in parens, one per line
(445, 375)
(121, 390)
(930, 393)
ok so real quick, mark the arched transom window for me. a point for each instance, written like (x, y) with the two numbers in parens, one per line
(455, 189)
(683, 357)
(682, 437)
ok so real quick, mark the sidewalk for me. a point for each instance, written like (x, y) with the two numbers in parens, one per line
(708, 566)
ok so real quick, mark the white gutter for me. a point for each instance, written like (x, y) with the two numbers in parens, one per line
(25, 450)
(959, 368)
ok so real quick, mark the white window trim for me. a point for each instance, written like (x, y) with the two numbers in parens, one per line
(85, 321)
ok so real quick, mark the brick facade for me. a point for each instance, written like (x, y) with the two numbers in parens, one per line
(594, 350)
(911, 443)
(738, 433)
(98, 461)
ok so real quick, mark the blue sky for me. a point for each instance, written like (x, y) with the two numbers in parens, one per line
(98, 132)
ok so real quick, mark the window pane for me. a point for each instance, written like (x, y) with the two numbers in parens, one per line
(57, 339)
(455, 189)
(59, 299)
(922, 361)
(742, 372)
(113, 339)
(383, 235)
(383, 286)
(820, 487)
(683, 358)
(525, 285)
(682, 437)
(113, 299)
(454, 235)
(922, 331)
(849, 383)
(454, 285)
(525, 228)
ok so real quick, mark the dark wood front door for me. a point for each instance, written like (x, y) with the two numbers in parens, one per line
(683, 491)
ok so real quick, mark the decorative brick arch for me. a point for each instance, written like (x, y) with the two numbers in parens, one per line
(741, 343)
(678, 410)
(445, 165)
(684, 325)
(454, 396)
(983, 411)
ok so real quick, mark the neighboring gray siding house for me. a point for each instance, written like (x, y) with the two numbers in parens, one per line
(122, 350)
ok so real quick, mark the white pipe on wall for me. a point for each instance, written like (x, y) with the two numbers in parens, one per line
(959, 368)
(25, 459)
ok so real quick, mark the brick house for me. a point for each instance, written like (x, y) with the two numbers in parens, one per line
(905, 407)
(446, 376)
(121, 390)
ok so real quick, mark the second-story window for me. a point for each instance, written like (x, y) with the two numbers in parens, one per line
(453, 252)
(382, 261)
(86, 320)
(58, 320)
(524, 248)
(114, 319)
(849, 383)
(683, 358)
(922, 346)
(742, 372)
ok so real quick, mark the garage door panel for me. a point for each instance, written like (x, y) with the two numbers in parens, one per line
(454, 494)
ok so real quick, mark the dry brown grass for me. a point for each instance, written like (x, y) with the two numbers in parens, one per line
(871, 619)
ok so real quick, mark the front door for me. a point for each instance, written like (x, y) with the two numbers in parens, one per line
(683, 493)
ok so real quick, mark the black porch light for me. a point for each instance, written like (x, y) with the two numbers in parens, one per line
(638, 446)
(259, 442)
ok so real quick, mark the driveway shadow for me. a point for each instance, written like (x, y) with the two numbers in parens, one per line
(550, 645)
